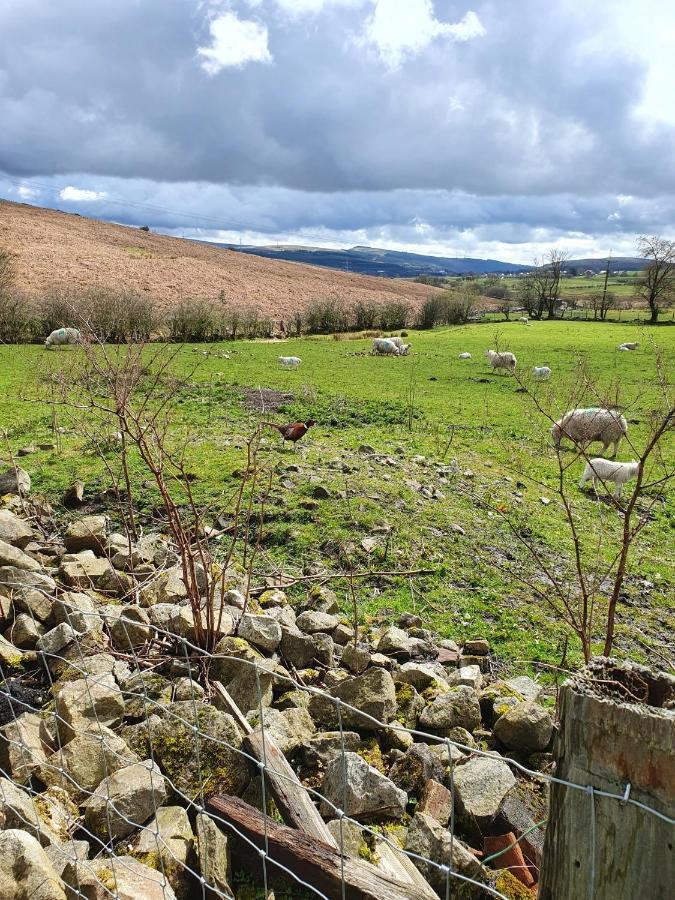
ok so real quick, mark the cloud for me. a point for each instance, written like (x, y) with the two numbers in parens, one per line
(24, 192)
(80, 195)
(234, 42)
(400, 30)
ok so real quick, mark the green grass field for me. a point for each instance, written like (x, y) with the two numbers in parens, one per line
(418, 413)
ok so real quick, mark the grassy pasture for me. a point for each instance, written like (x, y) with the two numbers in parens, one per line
(399, 497)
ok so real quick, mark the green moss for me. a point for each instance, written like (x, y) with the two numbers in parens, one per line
(508, 885)
(372, 754)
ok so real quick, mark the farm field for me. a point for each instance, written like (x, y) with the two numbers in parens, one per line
(382, 452)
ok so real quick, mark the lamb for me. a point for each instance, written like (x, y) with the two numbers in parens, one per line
(385, 347)
(63, 336)
(629, 345)
(501, 360)
(542, 373)
(584, 426)
(604, 470)
(464, 356)
(290, 362)
(402, 348)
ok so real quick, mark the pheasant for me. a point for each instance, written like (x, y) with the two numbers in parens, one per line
(294, 431)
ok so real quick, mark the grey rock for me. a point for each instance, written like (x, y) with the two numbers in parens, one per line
(479, 647)
(526, 727)
(459, 707)
(21, 747)
(313, 622)
(14, 480)
(324, 653)
(125, 800)
(356, 659)
(481, 786)
(321, 599)
(26, 872)
(74, 494)
(349, 836)
(470, 676)
(290, 729)
(364, 791)
(83, 569)
(213, 852)
(261, 631)
(423, 675)
(94, 698)
(427, 838)
(87, 533)
(10, 656)
(131, 630)
(395, 642)
(187, 689)
(18, 810)
(296, 647)
(168, 587)
(372, 693)
(168, 837)
(129, 878)
(77, 610)
(324, 746)
(24, 632)
(417, 765)
(527, 687)
(14, 530)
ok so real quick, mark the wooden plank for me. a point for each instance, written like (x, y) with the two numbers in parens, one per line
(224, 702)
(292, 799)
(314, 861)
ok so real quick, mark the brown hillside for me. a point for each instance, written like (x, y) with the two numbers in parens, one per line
(57, 249)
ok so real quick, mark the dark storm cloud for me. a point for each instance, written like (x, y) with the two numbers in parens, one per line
(521, 125)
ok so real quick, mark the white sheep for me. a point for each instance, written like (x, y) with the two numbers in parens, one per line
(63, 336)
(385, 347)
(584, 426)
(541, 373)
(402, 347)
(503, 360)
(629, 345)
(464, 356)
(290, 362)
(605, 470)
(524, 320)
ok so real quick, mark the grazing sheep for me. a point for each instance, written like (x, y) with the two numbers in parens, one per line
(464, 356)
(385, 347)
(524, 320)
(402, 348)
(63, 336)
(501, 360)
(290, 362)
(542, 373)
(584, 426)
(605, 470)
(629, 345)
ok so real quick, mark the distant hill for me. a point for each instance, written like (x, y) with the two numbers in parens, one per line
(388, 263)
(56, 249)
(616, 264)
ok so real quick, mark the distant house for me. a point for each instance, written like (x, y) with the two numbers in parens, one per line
(589, 272)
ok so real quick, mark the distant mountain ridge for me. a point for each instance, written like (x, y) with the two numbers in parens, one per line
(400, 264)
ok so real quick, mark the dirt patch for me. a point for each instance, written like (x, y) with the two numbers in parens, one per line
(265, 400)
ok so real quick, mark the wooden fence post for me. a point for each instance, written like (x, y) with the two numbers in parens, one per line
(617, 728)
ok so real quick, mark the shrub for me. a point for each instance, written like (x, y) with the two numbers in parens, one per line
(194, 320)
(55, 309)
(117, 316)
(326, 317)
(394, 315)
(365, 315)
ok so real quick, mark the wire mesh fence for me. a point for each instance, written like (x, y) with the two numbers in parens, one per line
(127, 779)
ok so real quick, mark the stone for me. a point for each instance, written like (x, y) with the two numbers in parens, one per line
(321, 748)
(55, 645)
(296, 647)
(417, 765)
(30, 591)
(289, 729)
(527, 687)
(26, 872)
(14, 530)
(145, 692)
(436, 802)
(481, 786)
(313, 621)
(470, 676)
(423, 675)
(94, 698)
(428, 839)
(372, 693)
(459, 706)
(261, 631)
(187, 689)
(154, 549)
(349, 837)
(356, 658)
(447, 656)
(60, 855)
(324, 653)
(24, 632)
(395, 642)
(84, 569)
(14, 480)
(526, 727)
(213, 852)
(343, 634)
(321, 599)
(125, 800)
(321, 493)
(131, 630)
(73, 494)
(21, 747)
(18, 810)
(77, 610)
(479, 647)
(211, 763)
(81, 765)
(168, 841)
(171, 619)
(87, 533)
(360, 790)
(409, 705)
(168, 587)
(10, 656)
(129, 879)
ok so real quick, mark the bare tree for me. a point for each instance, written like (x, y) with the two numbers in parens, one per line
(542, 284)
(658, 279)
(601, 304)
(7, 271)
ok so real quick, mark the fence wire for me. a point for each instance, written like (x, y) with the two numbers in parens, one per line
(25, 802)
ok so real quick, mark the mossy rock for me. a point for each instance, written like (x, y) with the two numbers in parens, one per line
(372, 753)
(143, 693)
(206, 760)
(409, 705)
(508, 885)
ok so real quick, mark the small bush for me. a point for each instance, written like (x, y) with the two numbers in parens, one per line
(117, 316)
(365, 315)
(394, 315)
(326, 317)
(194, 321)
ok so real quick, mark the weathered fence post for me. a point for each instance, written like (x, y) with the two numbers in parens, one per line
(617, 734)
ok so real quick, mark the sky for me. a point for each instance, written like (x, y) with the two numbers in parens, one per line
(493, 129)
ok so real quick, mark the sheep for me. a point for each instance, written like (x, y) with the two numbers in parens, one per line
(629, 345)
(290, 362)
(524, 320)
(63, 336)
(584, 426)
(402, 348)
(385, 347)
(541, 373)
(501, 360)
(464, 356)
(604, 470)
